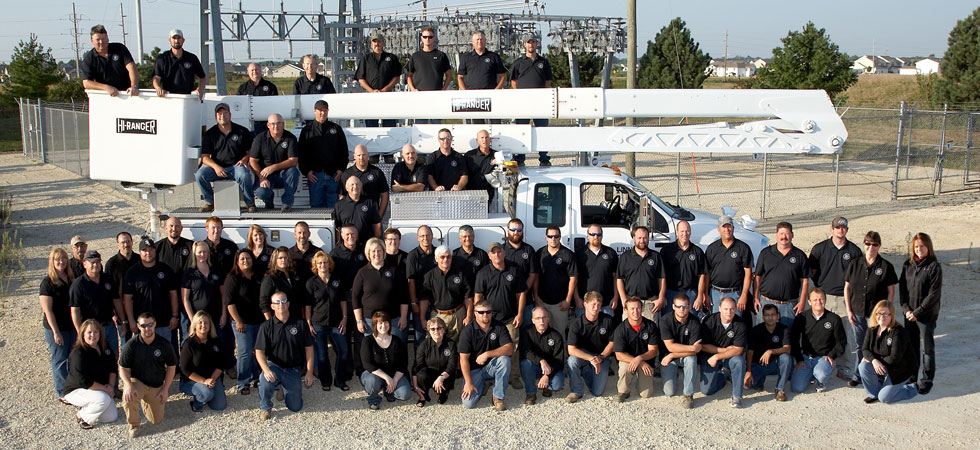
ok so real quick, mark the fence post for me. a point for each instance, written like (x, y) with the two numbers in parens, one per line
(40, 131)
(836, 178)
(23, 129)
(898, 148)
(937, 176)
(969, 146)
(765, 173)
(908, 144)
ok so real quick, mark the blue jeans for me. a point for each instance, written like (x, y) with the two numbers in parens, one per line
(717, 295)
(712, 378)
(497, 369)
(292, 388)
(248, 367)
(581, 373)
(669, 375)
(531, 373)
(418, 326)
(375, 386)
(786, 312)
(214, 397)
(241, 174)
(112, 340)
(323, 192)
(324, 335)
(287, 180)
(860, 329)
(59, 357)
(166, 333)
(875, 386)
(816, 367)
(782, 366)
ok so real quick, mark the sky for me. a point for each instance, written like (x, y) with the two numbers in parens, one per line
(893, 27)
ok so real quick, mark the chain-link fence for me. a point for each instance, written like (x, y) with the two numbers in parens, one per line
(56, 133)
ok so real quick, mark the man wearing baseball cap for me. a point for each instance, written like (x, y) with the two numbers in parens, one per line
(151, 287)
(224, 156)
(178, 71)
(729, 268)
(378, 71)
(78, 248)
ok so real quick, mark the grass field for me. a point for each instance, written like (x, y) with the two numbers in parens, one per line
(9, 131)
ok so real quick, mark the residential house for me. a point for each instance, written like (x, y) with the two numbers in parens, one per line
(288, 70)
(878, 64)
(927, 66)
(738, 68)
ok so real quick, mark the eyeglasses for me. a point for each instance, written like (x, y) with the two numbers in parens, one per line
(883, 314)
(279, 302)
(147, 325)
(680, 306)
(437, 329)
(485, 312)
(553, 236)
(443, 257)
(595, 234)
(517, 230)
(872, 244)
(427, 37)
(446, 138)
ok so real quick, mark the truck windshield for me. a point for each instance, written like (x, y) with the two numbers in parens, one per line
(642, 190)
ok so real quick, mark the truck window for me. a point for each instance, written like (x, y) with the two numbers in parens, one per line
(607, 205)
(549, 205)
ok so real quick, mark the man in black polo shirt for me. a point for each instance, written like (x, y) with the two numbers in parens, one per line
(302, 251)
(503, 286)
(358, 211)
(418, 262)
(273, 158)
(174, 250)
(828, 260)
(685, 268)
(151, 287)
(284, 351)
(590, 348)
(116, 267)
(520, 253)
(78, 247)
(428, 69)
(769, 353)
(447, 168)
(147, 366)
(394, 255)
(378, 71)
(224, 156)
(94, 295)
(485, 350)
(409, 175)
(641, 274)
(817, 340)
(176, 71)
(311, 81)
(635, 343)
(109, 66)
(729, 267)
(597, 264)
(542, 357)
(531, 71)
(374, 185)
(781, 276)
(724, 340)
(480, 68)
(257, 86)
(479, 162)
(473, 257)
(555, 286)
(222, 249)
(322, 156)
(448, 290)
(680, 336)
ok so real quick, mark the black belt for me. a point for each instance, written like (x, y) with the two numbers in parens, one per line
(723, 290)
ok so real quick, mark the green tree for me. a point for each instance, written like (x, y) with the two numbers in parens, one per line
(32, 71)
(673, 60)
(959, 85)
(145, 70)
(589, 69)
(67, 91)
(808, 59)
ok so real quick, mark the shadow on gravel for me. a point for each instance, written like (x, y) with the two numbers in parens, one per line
(15, 168)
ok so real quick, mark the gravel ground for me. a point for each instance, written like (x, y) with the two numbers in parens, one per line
(52, 204)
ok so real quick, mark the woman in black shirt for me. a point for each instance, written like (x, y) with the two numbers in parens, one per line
(326, 306)
(889, 358)
(91, 377)
(383, 356)
(59, 331)
(241, 291)
(436, 360)
(255, 242)
(866, 281)
(920, 289)
(200, 289)
(282, 277)
(200, 365)
(377, 287)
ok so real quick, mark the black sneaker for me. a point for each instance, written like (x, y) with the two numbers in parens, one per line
(853, 383)
(924, 388)
(196, 409)
(870, 400)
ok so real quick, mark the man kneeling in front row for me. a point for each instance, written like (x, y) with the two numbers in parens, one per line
(283, 348)
(485, 349)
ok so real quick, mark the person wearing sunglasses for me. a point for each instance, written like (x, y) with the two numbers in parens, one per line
(147, 366)
(436, 363)
(597, 272)
(866, 280)
(447, 167)
(888, 358)
(428, 69)
(284, 351)
(485, 350)
(555, 286)
(680, 337)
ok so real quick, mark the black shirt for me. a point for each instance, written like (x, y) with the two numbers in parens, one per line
(227, 149)
(199, 357)
(110, 70)
(920, 288)
(478, 165)
(591, 337)
(715, 333)
(782, 276)
(632, 342)
(428, 69)
(418, 263)
(76, 267)
(60, 304)
(500, 288)
(322, 148)
(817, 337)
(319, 85)
(446, 170)
(726, 265)
(641, 274)
(829, 262)
(523, 257)
(284, 343)
(869, 283)
(362, 215)
(260, 266)
(290, 284)
(243, 292)
(761, 340)
(894, 349)
(686, 333)
(269, 151)
(405, 176)
(377, 70)
(548, 346)
(597, 271)
(148, 362)
(346, 263)
(150, 288)
(87, 366)
(222, 255)
(474, 341)
(444, 357)
(531, 73)
(373, 182)
(480, 71)
(117, 266)
(683, 268)
(325, 298)
(446, 291)
(473, 261)
(176, 256)
(205, 291)
(178, 75)
(556, 271)
(303, 261)
(264, 88)
(94, 300)
(388, 360)
(379, 290)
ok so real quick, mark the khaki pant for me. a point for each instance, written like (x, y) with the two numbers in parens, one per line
(559, 318)
(643, 383)
(454, 322)
(515, 363)
(147, 398)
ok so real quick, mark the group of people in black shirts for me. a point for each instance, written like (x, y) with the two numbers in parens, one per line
(267, 317)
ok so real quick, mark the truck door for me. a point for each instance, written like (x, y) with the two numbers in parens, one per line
(613, 208)
(550, 207)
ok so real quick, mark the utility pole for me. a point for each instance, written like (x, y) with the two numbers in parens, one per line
(122, 21)
(726, 54)
(630, 72)
(139, 33)
(74, 21)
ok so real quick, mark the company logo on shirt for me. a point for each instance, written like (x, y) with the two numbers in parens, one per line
(888, 342)
(645, 336)
(730, 334)
(187, 65)
(792, 260)
(486, 60)
(227, 251)
(447, 352)
(319, 86)
(370, 177)
(524, 255)
(846, 256)
(541, 65)
(265, 88)
(452, 163)
(108, 287)
(160, 275)
(387, 58)
(284, 145)
(215, 348)
(108, 352)
(602, 330)
(115, 57)
(387, 274)
(456, 280)
(185, 251)
(686, 332)
(509, 277)
(214, 277)
(878, 271)
(333, 131)
(650, 262)
(827, 325)
(157, 353)
(361, 257)
(476, 262)
(734, 255)
(605, 256)
(293, 331)
(557, 261)
(364, 208)
(691, 257)
(493, 336)
(775, 339)
(264, 258)
(335, 283)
